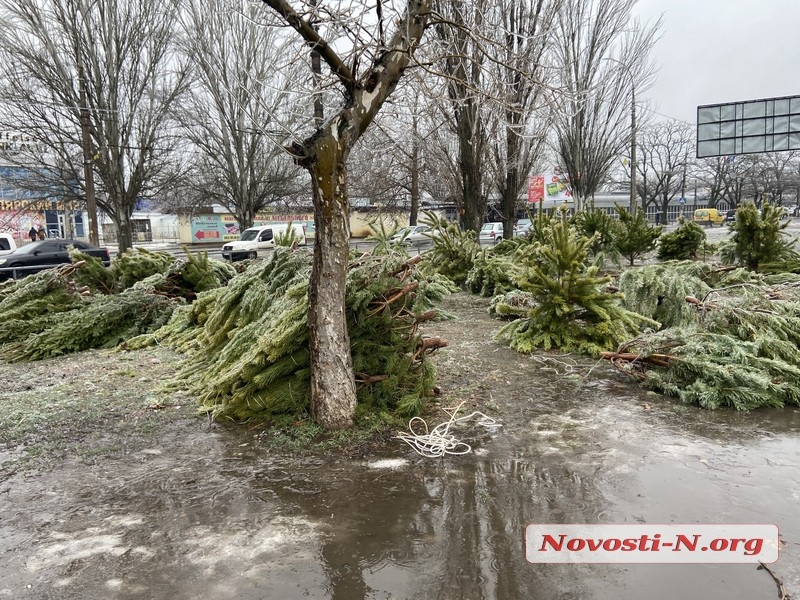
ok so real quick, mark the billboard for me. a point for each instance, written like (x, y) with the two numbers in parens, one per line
(218, 228)
(749, 127)
(550, 188)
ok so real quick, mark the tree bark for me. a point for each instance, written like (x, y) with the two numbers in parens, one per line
(333, 387)
(510, 191)
(469, 133)
(124, 232)
(244, 217)
(412, 219)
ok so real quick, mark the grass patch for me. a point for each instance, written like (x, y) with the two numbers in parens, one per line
(301, 435)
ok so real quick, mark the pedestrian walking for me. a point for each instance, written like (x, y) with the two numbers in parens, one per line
(32, 234)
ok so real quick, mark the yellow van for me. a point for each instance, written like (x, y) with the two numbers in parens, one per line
(708, 216)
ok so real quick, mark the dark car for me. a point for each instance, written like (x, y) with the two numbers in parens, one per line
(730, 215)
(37, 256)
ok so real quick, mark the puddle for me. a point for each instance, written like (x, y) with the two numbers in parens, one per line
(210, 515)
(177, 525)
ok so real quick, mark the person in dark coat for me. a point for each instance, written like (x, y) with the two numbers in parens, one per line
(32, 234)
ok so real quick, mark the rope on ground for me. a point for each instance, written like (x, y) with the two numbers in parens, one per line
(438, 441)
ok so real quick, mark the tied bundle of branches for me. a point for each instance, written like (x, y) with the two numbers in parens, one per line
(250, 359)
(189, 275)
(83, 320)
(105, 321)
(36, 302)
(125, 269)
(183, 328)
(571, 310)
(740, 352)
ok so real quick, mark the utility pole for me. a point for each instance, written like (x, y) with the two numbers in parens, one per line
(88, 171)
(683, 183)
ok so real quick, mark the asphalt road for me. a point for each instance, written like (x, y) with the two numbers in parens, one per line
(714, 234)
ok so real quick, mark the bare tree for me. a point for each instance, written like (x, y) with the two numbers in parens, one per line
(713, 174)
(367, 75)
(237, 109)
(524, 112)
(398, 151)
(463, 56)
(730, 179)
(440, 174)
(763, 178)
(774, 178)
(378, 167)
(663, 163)
(123, 53)
(603, 59)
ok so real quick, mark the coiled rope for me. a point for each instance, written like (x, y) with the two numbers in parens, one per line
(439, 441)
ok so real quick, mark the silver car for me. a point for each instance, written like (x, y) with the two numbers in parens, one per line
(414, 234)
(491, 233)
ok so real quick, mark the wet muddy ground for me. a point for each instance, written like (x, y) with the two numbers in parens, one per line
(150, 502)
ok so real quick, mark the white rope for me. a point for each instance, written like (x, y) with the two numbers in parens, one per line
(438, 441)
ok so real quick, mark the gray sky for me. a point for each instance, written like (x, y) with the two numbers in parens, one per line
(714, 51)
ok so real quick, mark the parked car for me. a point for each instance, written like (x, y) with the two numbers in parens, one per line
(491, 233)
(414, 234)
(522, 228)
(7, 244)
(38, 256)
(730, 216)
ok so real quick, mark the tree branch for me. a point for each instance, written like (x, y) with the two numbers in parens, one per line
(314, 40)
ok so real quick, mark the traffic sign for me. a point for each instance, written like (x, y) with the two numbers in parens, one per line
(682, 200)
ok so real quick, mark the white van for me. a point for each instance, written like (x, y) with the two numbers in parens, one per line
(255, 241)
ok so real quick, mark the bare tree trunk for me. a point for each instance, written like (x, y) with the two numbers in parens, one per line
(508, 199)
(333, 387)
(470, 164)
(508, 204)
(414, 173)
(244, 217)
(124, 232)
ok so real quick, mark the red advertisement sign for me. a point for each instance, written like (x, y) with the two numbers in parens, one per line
(536, 189)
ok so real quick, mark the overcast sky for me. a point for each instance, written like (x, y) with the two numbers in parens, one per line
(714, 51)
